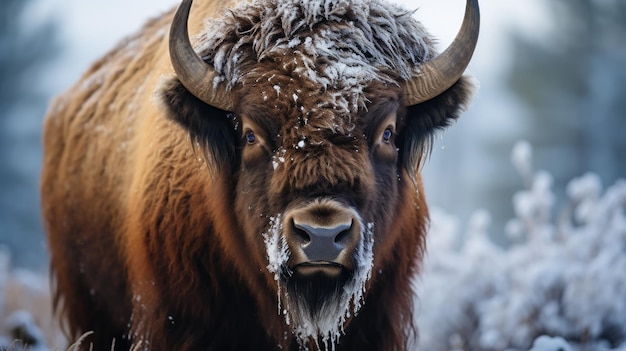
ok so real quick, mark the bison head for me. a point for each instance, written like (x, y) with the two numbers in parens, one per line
(320, 114)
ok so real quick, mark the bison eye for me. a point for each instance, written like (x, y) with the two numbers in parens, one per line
(250, 137)
(387, 134)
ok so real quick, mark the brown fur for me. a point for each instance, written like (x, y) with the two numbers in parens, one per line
(153, 243)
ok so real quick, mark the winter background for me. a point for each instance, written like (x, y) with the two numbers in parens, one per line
(527, 248)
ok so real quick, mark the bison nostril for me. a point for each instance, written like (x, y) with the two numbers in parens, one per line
(343, 237)
(301, 235)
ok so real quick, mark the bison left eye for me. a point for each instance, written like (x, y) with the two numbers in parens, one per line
(250, 137)
(387, 134)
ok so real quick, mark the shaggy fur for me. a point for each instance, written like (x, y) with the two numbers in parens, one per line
(155, 207)
(339, 46)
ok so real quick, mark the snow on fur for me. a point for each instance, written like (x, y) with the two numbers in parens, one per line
(326, 325)
(337, 45)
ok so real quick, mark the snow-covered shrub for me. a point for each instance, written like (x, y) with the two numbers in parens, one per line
(563, 276)
(546, 343)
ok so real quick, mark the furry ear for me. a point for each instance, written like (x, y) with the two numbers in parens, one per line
(208, 127)
(425, 119)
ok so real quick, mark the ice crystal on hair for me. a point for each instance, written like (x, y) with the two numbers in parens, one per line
(324, 327)
(310, 38)
(277, 254)
(276, 247)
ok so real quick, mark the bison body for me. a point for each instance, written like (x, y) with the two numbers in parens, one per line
(263, 194)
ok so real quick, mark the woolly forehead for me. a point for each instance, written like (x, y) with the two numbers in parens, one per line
(338, 46)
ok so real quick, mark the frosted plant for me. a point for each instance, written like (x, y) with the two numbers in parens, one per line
(545, 343)
(522, 159)
(560, 286)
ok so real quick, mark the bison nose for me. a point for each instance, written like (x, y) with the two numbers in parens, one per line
(323, 243)
(322, 236)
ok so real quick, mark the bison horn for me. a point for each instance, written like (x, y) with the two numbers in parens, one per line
(437, 75)
(432, 77)
(196, 75)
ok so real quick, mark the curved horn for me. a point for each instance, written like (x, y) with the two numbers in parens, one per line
(195, 74)
(437, 75)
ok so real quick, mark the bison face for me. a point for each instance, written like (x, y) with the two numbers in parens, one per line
(315, 190)
(320, 153)
(322, 200)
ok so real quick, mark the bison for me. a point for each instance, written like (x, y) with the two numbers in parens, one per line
(258, 189)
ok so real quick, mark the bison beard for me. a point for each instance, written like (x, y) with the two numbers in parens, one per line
(317, 305)
(316, 112)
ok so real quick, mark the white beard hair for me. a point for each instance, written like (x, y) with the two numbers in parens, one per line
(326, 324)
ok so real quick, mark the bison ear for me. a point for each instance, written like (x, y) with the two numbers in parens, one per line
(425, 119)
(208, 126)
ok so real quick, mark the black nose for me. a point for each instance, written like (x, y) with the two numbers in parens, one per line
(322, 236)
(323, 243)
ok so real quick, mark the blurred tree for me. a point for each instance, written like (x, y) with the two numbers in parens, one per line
(25, 48)
(573, 82)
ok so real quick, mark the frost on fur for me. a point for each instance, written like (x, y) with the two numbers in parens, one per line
(309, 39)
(324, 326)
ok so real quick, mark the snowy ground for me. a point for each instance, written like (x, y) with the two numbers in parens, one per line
(560, 286)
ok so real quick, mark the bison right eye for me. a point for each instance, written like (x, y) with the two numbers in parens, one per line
(250, 137)
(387, 134)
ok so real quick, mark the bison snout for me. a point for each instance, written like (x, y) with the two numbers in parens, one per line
(321, 243)
(322, 237)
